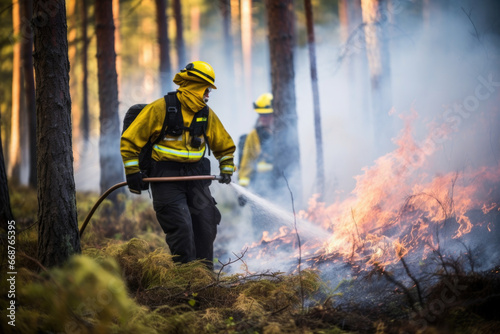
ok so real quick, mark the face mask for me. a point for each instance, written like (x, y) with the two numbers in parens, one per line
(206, 96)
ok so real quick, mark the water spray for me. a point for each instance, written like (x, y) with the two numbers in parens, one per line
(307, 228)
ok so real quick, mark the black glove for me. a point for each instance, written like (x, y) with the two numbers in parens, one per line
(242, 200)
(225, 178)
(135, 183)
(145, 185)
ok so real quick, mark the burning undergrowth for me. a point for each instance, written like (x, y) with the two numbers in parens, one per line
(402, 230)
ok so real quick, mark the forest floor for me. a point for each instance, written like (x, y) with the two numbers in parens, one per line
(126, 282)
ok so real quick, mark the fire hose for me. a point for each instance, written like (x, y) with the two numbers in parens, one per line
(148, 179)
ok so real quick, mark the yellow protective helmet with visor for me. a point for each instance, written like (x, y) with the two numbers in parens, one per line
(201, 70)
(264, 104)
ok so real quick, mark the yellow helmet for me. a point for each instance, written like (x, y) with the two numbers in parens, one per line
(201, 70)
(264, 104)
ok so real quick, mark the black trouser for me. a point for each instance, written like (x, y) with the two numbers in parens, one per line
(186, 211)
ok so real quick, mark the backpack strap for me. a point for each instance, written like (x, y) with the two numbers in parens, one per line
(163, 127)
(175, 122)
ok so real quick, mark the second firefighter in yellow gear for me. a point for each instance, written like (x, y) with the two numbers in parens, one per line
(186, 210)
(255, 170)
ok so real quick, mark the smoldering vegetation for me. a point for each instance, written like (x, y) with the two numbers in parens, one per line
(126, 281)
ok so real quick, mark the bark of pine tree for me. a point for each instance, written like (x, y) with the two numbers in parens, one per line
(225, 6)
(320, 169)
(179, 39)
(74, 80)
(109, 140)
(118, 43)
(286, 143)
(29, 86)
(58, 235)
(232, 96)
(164, 45)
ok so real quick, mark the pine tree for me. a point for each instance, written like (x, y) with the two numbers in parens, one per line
(286, 140)
(58, 235)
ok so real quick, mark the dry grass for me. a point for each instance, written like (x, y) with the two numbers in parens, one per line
(126, 282)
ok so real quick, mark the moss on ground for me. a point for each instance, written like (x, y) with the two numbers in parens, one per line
(125, 281)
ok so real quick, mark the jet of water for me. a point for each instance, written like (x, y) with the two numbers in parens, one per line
(277, 216)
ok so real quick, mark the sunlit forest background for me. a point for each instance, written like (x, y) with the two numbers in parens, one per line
(400, 234)
(437, 50)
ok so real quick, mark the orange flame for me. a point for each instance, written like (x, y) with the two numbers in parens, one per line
(398, 206)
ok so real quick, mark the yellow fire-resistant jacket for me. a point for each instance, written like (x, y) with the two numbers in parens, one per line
(148, 125)
(252, 162)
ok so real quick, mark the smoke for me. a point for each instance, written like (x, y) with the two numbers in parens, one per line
(444, 70)
(434, 71)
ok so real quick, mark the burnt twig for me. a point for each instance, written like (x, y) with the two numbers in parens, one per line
(414, 279)
(388, 276)
(298, 241)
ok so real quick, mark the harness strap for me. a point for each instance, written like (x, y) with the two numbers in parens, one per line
(174, 121)
(163, 127)
(175, 124)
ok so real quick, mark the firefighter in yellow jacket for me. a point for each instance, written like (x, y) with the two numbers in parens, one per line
(256, 164)
(186, 210)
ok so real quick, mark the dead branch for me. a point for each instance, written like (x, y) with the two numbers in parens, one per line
(468, 254)
(388, 276)
(406, 205)
(229, 261)
(414, 279)
(298, 241)
(356, 225)
(469, 14)
(33, 260)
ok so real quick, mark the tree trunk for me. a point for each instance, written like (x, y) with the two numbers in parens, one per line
(286, 144)
(237, 55)
(164, 45)
(29, 84)
(109, 140)
(5, 209)
(14, 154)
(179, 39)
(233, 96)
(246, 47)
(58, 235)
(85, 89)
(74, 80)
(377, 50)
(320, 170)
(352, 36)
(226, 30)
(118, 44)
